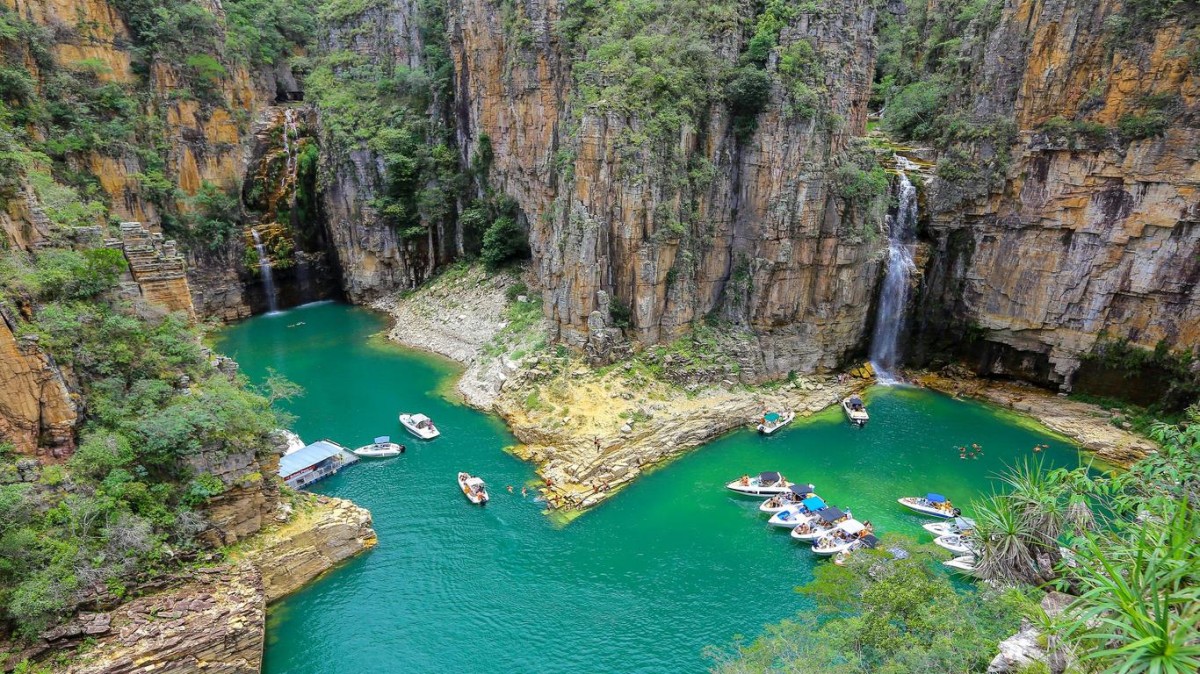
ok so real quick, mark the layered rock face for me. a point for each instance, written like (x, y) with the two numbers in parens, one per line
(37, 410)
(766, 242)
(1085, 234)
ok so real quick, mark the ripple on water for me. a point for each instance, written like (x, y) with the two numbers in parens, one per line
(642, 584)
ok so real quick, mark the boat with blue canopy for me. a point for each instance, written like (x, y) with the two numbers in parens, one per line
(796, 513)
(932, 504)
(794, 495)
(770, 422)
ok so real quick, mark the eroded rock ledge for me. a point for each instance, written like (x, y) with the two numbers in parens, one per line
(212, 618)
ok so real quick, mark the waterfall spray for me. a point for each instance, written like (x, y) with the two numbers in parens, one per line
(264, 266)
(893, 296)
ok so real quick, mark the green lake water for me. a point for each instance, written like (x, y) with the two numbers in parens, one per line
(641, 584)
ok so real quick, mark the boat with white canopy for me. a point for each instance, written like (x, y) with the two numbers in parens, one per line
(420, 426)
(382, 448)
(934, 505)
(763, 484)
(794, 495)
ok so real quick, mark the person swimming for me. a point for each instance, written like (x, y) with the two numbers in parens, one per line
(509, 488)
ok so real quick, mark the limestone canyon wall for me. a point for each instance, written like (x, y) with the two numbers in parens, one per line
(1083, 236)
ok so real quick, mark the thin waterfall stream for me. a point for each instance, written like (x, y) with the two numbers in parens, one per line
(893, 296)
(264, 266)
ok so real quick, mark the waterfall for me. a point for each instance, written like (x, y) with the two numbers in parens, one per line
(264, 266)
(290, 148)
(893, 296)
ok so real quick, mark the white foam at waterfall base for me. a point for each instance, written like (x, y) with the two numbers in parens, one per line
(264, 267)
(893, 295)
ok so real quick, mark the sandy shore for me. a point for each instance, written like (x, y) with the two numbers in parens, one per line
(590, 431)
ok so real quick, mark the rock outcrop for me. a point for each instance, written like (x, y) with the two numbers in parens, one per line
(157, 268)
(37, 409)
(1091, 229)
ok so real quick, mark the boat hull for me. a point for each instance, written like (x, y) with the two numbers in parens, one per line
(372, 452)
(913, 505)
(422, 433)
(756, 490)
(954, 543)
(793, 519)
(964, 565)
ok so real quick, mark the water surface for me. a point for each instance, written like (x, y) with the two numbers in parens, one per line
(641, 584)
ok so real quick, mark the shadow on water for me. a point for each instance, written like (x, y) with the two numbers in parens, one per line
(642, 584)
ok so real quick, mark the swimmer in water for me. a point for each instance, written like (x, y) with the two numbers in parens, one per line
(524, 492)
(509, 488)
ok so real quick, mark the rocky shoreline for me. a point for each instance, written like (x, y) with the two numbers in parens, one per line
(590, 431)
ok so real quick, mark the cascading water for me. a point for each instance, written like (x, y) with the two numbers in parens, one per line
(291, 132)
(893, 296)
(264, 266)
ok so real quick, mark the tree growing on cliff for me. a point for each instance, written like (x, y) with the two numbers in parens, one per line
(503, 242)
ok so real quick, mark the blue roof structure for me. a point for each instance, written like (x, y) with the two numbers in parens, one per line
(307, 456)
(813, 503)
(935, 498)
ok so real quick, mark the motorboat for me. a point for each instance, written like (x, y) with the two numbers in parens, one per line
(420, 426)
(789, 517)
(382, 448)
(822, 522)
(770, 422)
(839, 539)
(795, 494)
(856, 412)
(934, 505)
(964, 564)
(473, 488)
(958, 525)
(956, 543)
(865, 541)
(763, 484)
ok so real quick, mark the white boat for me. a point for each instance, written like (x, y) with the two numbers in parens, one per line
(864, 541)
(792, 515)
(958, 525)
(856, 412)
(763, 484)
(964, 564)
(420, 426)
(956, 543)
(473, 488)
(839, 539)
(934, 505)
(795, 494)
(382, 448)
(770, 422)
(819, 524)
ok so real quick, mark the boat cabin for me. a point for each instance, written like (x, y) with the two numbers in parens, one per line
(856, 403)
(313, 462)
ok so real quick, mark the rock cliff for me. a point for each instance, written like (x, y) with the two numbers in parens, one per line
(1087, 230)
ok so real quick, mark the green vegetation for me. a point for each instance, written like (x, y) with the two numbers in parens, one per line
(504, 241)
(123, 507)
(884, 614)
(1178, 383)
(209, 218)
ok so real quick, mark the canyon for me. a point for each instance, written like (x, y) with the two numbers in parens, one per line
(671, 169)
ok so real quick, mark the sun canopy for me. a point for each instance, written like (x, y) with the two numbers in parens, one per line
(771, 417)
(869, 540)
(852, 526)
(418, 418)
(474, 482)
(802, 489)
(383, 440)
(855, 400)
(935, 498)
(831, 515)
(307, 456)
(813, 503)
(768, 478)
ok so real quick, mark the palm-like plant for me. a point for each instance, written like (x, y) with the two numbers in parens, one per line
(1139, 608)
(1006, 539)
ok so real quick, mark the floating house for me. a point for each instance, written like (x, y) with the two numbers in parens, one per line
(313, 462)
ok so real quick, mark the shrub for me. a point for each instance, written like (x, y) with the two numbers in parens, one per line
(913, 110)
(503, 242)
(747, 92)
(1139, 127)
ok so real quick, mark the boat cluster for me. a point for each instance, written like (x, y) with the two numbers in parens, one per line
(831, 531)
(954, 533)
(383, 447)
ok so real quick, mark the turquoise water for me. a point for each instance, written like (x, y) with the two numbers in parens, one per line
(641, 584)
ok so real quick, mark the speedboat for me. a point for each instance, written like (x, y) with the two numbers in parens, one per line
(420, 426)
(792, 515)
(770, 422)
(839, 539)
(958, 525)
(382, 448)
(821, 523)
(868, 541)
(956, 543)
(473, 488)
(763, 484)
(964, 564)
(934, 505)
(795, 494)
(856, 412)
